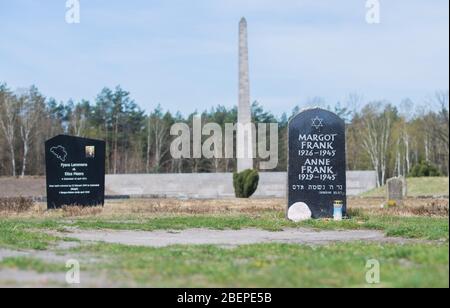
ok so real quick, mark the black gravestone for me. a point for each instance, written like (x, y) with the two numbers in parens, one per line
(75, 169)
(317, 162)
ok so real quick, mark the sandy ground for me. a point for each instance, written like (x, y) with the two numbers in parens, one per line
(27, 187)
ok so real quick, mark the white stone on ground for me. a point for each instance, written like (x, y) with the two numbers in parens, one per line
(299, 212)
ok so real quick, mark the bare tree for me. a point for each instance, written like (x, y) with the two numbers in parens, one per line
(78, 119)
(116, 138)
(376, 134)
(406, 141)
(149, 143)
(31, 104)
(443, 131)
(159, 133)
(385, 131)
(8, 117)
(370, 144)
(407, 114)
(354, 101)
(398, 159)
(160, 136)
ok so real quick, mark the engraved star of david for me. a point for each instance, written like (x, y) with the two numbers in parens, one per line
(317, 123)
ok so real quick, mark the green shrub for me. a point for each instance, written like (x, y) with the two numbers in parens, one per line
(245, 183)
(424, 169)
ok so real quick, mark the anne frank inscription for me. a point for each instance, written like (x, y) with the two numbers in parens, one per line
(316, 169)
(75, 169)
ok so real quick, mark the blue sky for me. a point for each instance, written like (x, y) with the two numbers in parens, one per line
(183, 54)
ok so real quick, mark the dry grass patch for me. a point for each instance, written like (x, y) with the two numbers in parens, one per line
(79, 211)
(28, 209)
(151, 207)
(16, 205)
(428, 207)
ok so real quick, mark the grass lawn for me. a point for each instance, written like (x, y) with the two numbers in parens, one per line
(278, 265)
(17, 233)
(29, 263)
(427, 186)
(262, 265)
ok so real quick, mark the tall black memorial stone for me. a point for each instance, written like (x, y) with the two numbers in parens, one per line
(317, 162)
(75, 171)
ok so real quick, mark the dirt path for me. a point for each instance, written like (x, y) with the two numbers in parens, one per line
(231, 237)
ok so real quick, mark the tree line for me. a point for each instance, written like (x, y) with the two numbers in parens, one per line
(391, 139)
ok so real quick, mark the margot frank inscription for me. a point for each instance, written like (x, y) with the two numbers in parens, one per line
(75, 169)
(317, 166)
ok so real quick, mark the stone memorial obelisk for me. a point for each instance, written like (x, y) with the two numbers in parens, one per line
(244, 130)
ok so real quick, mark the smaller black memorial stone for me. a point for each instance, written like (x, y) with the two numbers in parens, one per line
(75, 171)
(317, 162)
